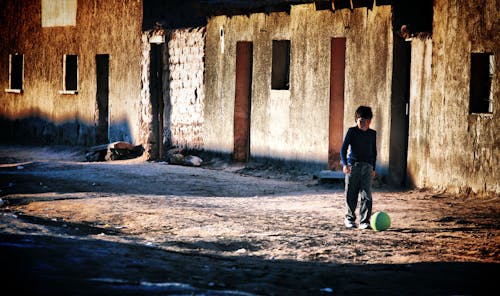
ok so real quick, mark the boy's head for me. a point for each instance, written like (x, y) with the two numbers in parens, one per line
(363, 117)
(363, 112)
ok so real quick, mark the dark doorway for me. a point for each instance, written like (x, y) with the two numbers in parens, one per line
(400, 110)
(242, 101)
(410, 18)
(336, 117)
(102, 98)
(157, 104)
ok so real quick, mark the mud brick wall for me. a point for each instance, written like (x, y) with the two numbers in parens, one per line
(292, 124)
(185, 93)
(464, 146)
(420, 92)
(146, 113)
(41, 113)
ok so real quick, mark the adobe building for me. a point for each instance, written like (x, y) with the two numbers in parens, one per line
(70, 71)
(285, 85)
(275, 80)
(290, 82)
(93, 72)
(454, 144)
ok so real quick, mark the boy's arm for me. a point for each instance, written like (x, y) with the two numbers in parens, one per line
(374, 150)
(343, 149)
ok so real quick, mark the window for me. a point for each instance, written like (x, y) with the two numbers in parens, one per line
(281, 65)
(481, 78)
(70, 73)
(16, 73)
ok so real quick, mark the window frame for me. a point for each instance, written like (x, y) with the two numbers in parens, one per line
(65, 78)
(11, 88)
(280, 64)
(482, 67)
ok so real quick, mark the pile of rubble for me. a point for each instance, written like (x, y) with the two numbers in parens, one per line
(114, 151)
(124, 150)
(179, 156)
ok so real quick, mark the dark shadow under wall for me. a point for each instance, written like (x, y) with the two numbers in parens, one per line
(40, 131)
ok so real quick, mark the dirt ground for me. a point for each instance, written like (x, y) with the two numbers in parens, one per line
(133, 227)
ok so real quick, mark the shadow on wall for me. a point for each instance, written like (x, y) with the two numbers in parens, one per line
(284, 165)
(37, 130)
(305, 165)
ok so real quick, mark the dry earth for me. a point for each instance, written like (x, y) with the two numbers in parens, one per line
(133, 227)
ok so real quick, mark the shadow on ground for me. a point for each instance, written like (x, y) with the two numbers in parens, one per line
(51, 265)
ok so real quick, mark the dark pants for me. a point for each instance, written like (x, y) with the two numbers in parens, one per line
(359, 182)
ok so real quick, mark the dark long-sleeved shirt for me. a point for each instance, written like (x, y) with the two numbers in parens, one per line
(363, 146)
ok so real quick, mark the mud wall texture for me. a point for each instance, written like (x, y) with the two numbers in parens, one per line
(419, 141)
(462, 151)
(40, 114)
(145, 107)
(293, 124)
(185, 92)
(182, 90)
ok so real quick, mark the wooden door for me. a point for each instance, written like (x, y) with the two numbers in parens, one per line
(242, 104)
(336, 118)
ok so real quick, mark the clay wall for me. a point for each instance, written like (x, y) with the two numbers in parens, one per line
(40, 114)
(463, 147)
(182, 90)
(419, 142)
(292, 125)
(186, 90)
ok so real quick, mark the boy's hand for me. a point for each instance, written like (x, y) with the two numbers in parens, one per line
(374, 173)
(346, 169)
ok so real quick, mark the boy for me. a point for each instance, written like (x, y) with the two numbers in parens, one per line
(359, 167)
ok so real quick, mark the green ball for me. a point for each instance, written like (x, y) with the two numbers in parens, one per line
(380, 221)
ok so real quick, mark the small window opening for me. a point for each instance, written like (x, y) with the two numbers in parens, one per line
(70, 72)
(481, 88)
(281, 65)
(16, 72)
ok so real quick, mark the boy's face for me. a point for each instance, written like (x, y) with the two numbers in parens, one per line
(363, 123)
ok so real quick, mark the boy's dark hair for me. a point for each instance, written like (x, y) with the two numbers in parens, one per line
(363, 112)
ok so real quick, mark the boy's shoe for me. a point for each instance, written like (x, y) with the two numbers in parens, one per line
(364, 226)
(349, 224)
